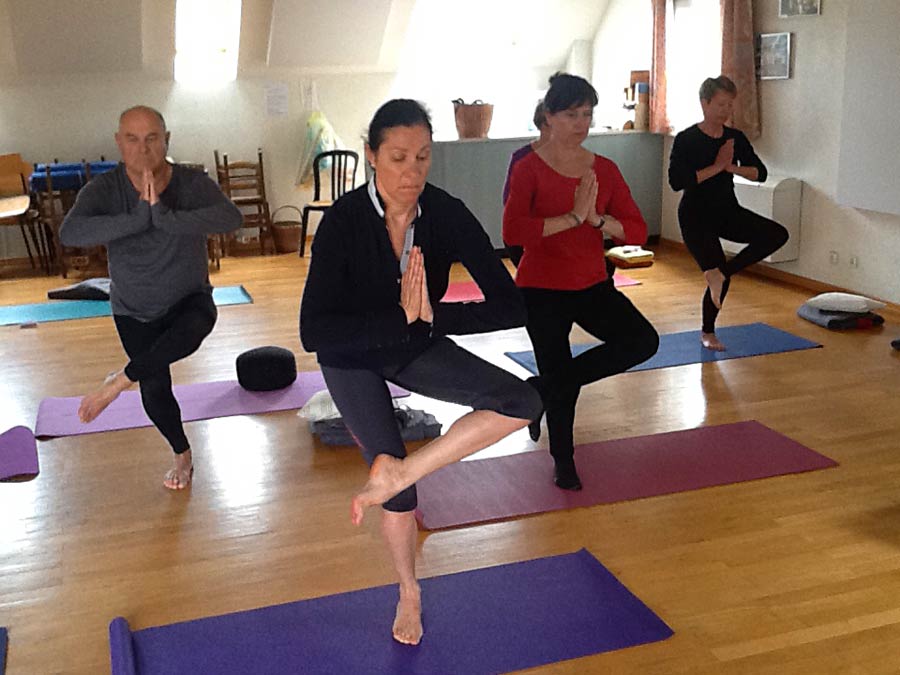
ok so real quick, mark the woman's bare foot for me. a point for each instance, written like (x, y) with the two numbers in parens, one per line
(180, 475)
(408, 621)
(96, 402)
(716, 281)
(385, 480)
(710, 341)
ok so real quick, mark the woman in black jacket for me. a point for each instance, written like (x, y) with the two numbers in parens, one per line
(371, 311)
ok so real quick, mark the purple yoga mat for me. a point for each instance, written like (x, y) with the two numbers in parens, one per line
(203, 401)
(491, 620)
(612, 471)
(18, 453)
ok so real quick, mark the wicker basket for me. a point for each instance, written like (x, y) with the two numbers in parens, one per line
(473, 119)
(286, 232)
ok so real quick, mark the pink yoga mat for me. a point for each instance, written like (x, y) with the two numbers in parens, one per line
(468, 291)
(612, 471)
(207, 400)
(18, 453)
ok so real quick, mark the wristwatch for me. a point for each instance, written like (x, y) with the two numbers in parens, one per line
(601, 223)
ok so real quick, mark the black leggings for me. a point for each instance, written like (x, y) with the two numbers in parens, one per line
(601, 310)
(444, 371)
(701, 228)
(152, 346)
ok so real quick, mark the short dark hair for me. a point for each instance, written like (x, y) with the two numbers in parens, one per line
(712, 85)
(145, 108)
(568, 91)
(398, 112)
(540, 118)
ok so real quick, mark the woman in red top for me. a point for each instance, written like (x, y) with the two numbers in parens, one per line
(563, 201)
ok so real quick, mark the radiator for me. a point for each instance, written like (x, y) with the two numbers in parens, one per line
(779, 199)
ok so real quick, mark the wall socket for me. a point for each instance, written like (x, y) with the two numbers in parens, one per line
(834, 257)
(854, 261)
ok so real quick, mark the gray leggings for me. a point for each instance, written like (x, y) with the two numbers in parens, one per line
(444, 371)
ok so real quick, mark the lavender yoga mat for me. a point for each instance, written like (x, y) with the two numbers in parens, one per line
(490, 620)
(468, 291)
(207, 400)
(18, 454)
(629, 468)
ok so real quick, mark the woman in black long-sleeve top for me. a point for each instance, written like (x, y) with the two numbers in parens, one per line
(704, 159)
(371, 311)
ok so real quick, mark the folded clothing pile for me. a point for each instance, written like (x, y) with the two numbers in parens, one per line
(630, 256)
(841, 311)
(414, 425)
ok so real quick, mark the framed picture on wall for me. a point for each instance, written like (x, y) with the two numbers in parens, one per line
(799, 7)
(774, 56)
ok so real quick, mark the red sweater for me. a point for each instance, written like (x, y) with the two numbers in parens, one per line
(572, 259)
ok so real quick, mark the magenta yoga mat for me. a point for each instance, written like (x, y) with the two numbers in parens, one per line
(206, 400)
(612, 471)
(18, 453)
(468, 291)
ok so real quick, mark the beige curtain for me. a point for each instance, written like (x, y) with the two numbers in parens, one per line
(659, 120)
(739, 63)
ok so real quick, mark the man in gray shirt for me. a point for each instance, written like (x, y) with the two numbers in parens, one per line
(154, 218)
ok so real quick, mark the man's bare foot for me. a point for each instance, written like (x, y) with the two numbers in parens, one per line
(710, 341)
(96, 402)
(408, 621)
(385, 480)
(180, 475)
(716, 281)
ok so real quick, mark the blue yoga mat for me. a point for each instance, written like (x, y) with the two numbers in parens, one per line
(680, 349)
(61, 310)
(491, 620)
(4, 639)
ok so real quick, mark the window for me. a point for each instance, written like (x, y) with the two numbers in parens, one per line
(693, 53)
(207, 34)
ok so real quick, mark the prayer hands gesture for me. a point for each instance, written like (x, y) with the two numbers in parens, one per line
(725, 157)
(148, 187)
(586, 197)
(414, 289)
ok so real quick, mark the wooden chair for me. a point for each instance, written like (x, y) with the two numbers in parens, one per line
(244, 183)
(343, 178)
(15, 207)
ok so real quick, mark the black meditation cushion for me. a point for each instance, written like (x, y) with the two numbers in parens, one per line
(266, 368)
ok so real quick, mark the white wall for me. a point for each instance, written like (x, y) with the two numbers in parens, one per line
(76, 118)
(624, 42)
(801, 122)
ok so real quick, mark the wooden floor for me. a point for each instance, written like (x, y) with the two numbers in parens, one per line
(798, 574)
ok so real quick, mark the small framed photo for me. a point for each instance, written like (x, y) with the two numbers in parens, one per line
(774, 56)
(799, 7)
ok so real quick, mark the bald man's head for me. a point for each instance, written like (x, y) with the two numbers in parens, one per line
(142, 139)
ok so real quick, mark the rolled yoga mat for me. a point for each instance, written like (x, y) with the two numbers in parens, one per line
(630, 468)
(468, 291)
(18, 454)
(4, 640)
(206, 400)
(680, 349)
(61, 310)
(491, 620)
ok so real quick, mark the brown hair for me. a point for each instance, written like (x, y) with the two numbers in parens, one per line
(711, 85)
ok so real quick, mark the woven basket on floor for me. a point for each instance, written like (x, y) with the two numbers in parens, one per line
(473, 119)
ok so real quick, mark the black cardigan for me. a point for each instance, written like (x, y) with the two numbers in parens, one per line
(351, 314)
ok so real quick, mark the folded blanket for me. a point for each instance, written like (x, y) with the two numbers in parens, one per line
(839, 320)
(414, 425)
(89, 289)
